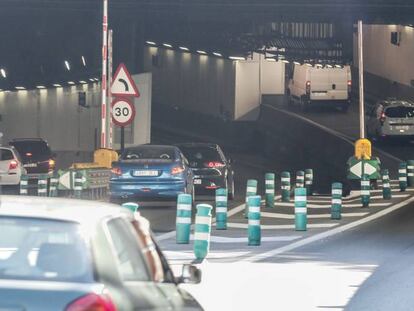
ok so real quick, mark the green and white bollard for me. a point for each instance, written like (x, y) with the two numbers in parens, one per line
(300, 179)
(336, 207)
(402, 176)
(221, 209)
(301, 212)
(24, 185)
(42, 186)
(270, 190)
(183, 220)
(254, 229)
(202, 231)
(286, 186)
(410, 173)
(365, 190)
(53, 191)
(309, 181)
(386, 187)
(78, 185)
(133, 207)
(250, 191)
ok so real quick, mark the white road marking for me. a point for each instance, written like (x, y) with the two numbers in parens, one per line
(281, 227)
(220, 239)
(329, 233)
(317, 206)
(322, 216)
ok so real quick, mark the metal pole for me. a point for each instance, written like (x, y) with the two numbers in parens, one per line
(361, 81)
(122, 138)
(109, 113)
(104, 77)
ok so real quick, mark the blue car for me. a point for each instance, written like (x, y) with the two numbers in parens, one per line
(150, 172)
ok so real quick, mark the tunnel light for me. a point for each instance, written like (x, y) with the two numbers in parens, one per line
(329, 66)
(338, 66)
(67, 65)
(236, 58)
(83, 61)
(3, 73)
(71, 82)
(319, 65)
(201, 52)
(297, 63)
(57, 85)
(183, 48)
(20, 88)
(167, 45)
(217, 54)
(40, 87)
(285, 61)
(150, 42)
(309, 65)
(271, 59)
(82, 82)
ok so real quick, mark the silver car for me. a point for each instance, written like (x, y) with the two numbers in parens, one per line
(11, 167)
(391, 119)
(60, 254)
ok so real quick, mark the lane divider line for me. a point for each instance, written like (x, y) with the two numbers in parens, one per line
(329, 233)
(281, 227)
(322, 216)
(317, 206)
(220, 239)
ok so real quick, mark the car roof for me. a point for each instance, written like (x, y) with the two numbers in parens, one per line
(209, 145)
(153, 146)
(389, 103)
(59, 209)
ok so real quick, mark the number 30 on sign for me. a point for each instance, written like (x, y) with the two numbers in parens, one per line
(123, 111)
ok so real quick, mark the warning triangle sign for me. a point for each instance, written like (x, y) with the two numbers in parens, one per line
(122, 83)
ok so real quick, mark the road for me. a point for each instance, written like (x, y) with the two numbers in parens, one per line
(362, 262)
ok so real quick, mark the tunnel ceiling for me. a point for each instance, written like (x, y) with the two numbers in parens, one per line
(41, 34)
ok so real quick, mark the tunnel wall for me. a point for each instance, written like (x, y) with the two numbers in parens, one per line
(54, 114)
(192, 82)
(389, 68)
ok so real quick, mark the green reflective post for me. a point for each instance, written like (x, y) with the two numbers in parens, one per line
(221, 209)
(300, 179)
(202, 231)
(24, 185)
(254, 229)
(309, 181)
(53, 191)
(285, 186)
(410, 173)
(78, 185)
(183, 219)
(250, 191)
(301, 218)
(336, 207)
(365, 190)
(402, 176)
(386, 188)
(42, 186)
(270, 190)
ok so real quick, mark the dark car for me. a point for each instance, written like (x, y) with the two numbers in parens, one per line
(150, 172)
(36, 155)
(211, 168)
(60, 254)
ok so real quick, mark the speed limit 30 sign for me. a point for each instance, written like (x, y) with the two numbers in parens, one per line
(123, 111)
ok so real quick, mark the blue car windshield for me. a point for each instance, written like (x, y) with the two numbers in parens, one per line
(149, 153)
(43, 250)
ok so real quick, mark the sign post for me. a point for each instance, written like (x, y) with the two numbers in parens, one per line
(123, 110)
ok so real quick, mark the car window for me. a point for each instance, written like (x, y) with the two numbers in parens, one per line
(400, 112)
(35, 150)
(6, 154)
(43, 250)
(149, 153)
(131, 263)
(198, 156)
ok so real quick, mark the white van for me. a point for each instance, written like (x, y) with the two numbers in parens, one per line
(330, 86)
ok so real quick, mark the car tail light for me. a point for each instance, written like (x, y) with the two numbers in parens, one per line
(214, 164)
(349, 86)
(177, 170)
(383, 117)
(28, 154)
(13, 165)
(116, 171)
(52, 164)
(91, 302)
(308, 87)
